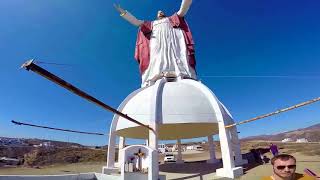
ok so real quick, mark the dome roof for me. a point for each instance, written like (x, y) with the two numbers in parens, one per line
(183, 109)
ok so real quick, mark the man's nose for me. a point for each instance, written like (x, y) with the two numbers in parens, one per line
(287, 169)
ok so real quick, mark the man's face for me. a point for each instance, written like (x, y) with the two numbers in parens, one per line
(284, 169)
(160, 15)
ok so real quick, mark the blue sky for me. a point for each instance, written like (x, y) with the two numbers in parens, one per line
(233, 38)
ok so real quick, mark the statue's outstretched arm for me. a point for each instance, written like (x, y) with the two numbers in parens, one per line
(128, 16)
(185, 4)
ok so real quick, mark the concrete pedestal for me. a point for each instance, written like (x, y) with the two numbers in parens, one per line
(180, 161)
(139, 176)
(213, 161)
(241, 162)
(230, 173)
(108, 170)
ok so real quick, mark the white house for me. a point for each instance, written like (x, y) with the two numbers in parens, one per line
(195, 147)
(302, 140)
(162, 148)
(190, 147)
(287, 140)
(44, 144)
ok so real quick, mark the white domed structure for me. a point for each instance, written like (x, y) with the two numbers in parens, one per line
(175, 110)
(187, 109)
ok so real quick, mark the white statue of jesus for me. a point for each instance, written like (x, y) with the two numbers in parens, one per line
(164, 46)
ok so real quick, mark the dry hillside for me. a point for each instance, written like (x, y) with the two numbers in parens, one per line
(311, 133)
(66, 155)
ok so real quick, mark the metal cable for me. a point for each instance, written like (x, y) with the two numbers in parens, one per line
(57, 129)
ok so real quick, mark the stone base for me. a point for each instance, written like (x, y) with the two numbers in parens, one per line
(180, 161)
(230, 173)
(243, 162)
(162, 177)
(134, 175)
(213, 161)
(139, 176)
(108, 170)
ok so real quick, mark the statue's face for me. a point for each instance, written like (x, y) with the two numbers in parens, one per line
(160, 15)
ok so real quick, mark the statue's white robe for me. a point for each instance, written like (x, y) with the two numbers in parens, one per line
(168, 53)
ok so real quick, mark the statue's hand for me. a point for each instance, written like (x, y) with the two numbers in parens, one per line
(118, 8)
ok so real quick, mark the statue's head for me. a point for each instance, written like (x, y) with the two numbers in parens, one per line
(160, 15)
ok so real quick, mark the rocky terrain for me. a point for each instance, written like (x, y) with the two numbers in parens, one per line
(37, 152)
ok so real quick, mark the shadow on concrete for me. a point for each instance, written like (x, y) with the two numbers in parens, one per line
(66, 171)
(200, 176)
(197, 167)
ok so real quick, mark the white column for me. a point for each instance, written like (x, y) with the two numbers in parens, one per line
(122, 144)
(111, 150)
(153, 136)
(153, 143)
(226, 147)
(212, 150)
(110, 168)
(147, 142)
(236, 147)
(156, 109)
(228, 169)
(179, 156)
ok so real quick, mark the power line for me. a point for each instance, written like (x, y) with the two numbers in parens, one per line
(52, 63)
(57, 129)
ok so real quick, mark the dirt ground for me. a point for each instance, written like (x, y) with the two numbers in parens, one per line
(194, 167)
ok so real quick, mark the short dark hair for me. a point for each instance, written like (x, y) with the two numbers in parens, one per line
(283, 157)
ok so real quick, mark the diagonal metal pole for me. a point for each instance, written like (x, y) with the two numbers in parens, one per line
(57, 129)
(276, 112)
(29, 65)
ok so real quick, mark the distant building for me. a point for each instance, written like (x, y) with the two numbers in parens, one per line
(175, 147)
(195, 147)
(169, 148)
(302, 140)
(162, 148)
(47, 144)
(190, 147)
(287, 140)
(44, 144)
